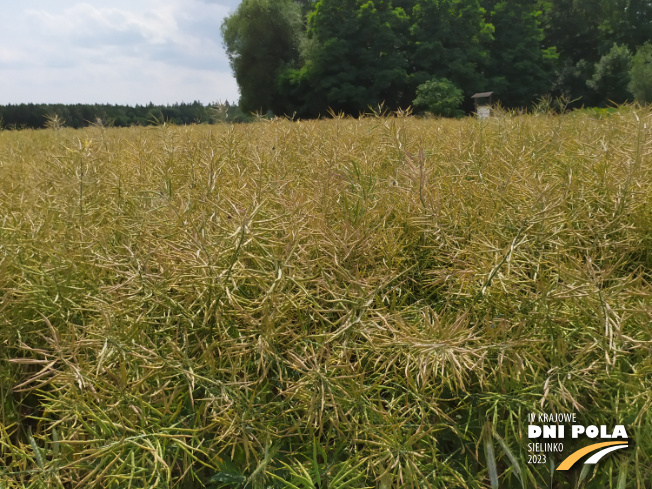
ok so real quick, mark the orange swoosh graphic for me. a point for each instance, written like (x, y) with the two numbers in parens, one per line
(575, 456)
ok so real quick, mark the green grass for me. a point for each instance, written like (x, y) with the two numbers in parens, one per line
(372, 302)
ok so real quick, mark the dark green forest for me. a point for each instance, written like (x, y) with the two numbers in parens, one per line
(307, 57)
(21, 116)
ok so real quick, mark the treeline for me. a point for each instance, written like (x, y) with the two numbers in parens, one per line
(307, 57)
(80, 115)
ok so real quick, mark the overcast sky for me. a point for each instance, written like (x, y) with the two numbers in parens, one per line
(118, 52)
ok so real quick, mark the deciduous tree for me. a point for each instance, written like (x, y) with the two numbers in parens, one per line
(611, 78)
(355, 56)
(262, 39)
(641, 74)
(449, 40)
(520, 70)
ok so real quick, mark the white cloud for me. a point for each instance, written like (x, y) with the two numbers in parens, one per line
(10, 56)
(132, 52)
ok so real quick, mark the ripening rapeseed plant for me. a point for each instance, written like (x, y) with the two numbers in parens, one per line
(335, 303)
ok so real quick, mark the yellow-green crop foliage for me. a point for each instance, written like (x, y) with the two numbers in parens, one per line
(373, 302)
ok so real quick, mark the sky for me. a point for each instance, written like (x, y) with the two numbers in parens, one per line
(117, 52)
